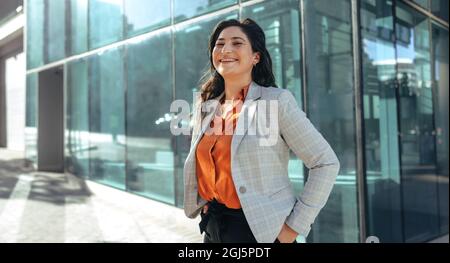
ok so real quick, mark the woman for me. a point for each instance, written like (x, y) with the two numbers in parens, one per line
(239, 185)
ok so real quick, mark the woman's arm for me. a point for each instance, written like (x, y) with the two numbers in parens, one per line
(310, 146)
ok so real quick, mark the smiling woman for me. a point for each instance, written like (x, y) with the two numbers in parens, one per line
(241, 188)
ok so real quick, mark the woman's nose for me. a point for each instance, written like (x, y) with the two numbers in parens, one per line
(226, 48)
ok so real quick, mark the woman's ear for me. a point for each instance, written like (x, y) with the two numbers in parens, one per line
(256, 58)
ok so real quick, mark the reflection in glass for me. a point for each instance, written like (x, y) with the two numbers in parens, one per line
(105, 22)
(440, 8)
(440, 81)
(189, 68)
(35, 33)
(187, 9)
(77, 119)
(330, 108)
(417, 132)
(280, 21)
(137, 16)
(55, 44)
(150, 157)
(31, 118)
(380, 122)
(423, 3)
(78, 27)
(106, 112)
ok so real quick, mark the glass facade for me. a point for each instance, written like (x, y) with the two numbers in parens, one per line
(381, 122)
(117, 97)
(31, 99)
(107, 142)
(77, 119)
(440, 85)
(77, 35)
(330, 89)
(150, 149)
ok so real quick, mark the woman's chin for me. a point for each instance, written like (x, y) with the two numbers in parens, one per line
(227, 73)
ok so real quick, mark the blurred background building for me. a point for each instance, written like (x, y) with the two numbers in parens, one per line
(86, 86)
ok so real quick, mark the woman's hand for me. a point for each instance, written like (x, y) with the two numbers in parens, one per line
(287, 234)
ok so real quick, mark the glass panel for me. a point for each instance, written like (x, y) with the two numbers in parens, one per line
(440, 80)
(55, 41)
(423, 3)
(440, 8)
(186, 9)
(380, 122)
(137, 16)
(417, 132)
(106, 112)
(78, 28)
(191, 63)
(77, 119)
(105, 22)
(280, 21)
(330, 108)
(150, 157)
(35, 33)
(31, 118)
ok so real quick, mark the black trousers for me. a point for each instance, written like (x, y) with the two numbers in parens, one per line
(225, 225)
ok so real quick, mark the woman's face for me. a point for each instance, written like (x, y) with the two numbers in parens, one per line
(232, 54)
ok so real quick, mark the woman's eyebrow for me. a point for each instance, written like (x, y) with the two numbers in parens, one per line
(231, 38)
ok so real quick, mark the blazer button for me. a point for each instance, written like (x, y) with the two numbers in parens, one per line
(242, 189)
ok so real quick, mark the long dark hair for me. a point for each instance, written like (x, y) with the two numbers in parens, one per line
(213, 83)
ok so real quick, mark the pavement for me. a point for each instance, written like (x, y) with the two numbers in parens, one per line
(38, 207)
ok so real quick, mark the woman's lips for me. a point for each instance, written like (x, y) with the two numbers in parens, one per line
(228, 60)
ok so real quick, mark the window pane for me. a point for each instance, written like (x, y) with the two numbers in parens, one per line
(55, 41)
(77, 119)
(380, 122)
(138, 19)
(440, 47)
(186, 9)
(150, 157)
(35, 33)
(189, 67)
(78, 29)
(423, 3)
(417, 133)
(30, 119)
(440, 8)
(106, 112)
(280, 21)
(105, 22)
(330, 108)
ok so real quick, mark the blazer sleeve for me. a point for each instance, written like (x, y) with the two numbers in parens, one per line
(311, 147)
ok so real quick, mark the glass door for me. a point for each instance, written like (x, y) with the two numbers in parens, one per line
(417, 133)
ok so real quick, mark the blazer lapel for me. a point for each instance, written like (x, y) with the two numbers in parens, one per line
(246, 115)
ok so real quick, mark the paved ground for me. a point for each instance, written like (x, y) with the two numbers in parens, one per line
(50, 207)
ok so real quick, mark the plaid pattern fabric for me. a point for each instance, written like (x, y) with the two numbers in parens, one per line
(260, 172)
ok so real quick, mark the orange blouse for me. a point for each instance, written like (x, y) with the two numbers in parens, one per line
(213, 154)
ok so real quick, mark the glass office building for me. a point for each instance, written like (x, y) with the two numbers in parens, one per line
(372, 75)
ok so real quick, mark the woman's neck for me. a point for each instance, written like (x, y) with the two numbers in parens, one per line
(234, 86)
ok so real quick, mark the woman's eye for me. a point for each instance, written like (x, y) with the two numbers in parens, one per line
(219, 44)
(237, 44)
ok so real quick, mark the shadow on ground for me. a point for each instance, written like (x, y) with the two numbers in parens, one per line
(54, 188)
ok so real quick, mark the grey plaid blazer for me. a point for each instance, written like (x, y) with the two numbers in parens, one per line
(260, 173)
